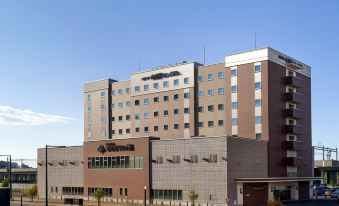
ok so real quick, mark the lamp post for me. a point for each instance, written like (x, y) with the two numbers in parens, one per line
(10, 172)
(46, 175)
(145, 188)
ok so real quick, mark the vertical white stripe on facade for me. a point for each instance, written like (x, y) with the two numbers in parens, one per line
(187, 116)
(257, 95)
(234, 98)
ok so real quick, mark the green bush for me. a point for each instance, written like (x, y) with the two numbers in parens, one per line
(5, 183)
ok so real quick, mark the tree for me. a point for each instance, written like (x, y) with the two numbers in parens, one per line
(32, 192)
(5, 183)
(98, 194)
(193, 196)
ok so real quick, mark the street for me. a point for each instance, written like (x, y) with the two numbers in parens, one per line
(323, 202)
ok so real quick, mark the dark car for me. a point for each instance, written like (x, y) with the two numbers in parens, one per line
(321, 190)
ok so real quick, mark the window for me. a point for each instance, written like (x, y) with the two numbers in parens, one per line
(165, 113)
(176, 126)
(258, 136)
(176, 82)
(194, 158)
(103, 132)
(89, 97)
(200, 109)
(89, 120)
(128, 90)
(89, 109)
(156, 128)
(146, 115)
(200, 79)
(120, 105)
(160, 159)
(234, 72)
(257, 68)
(200, 124)
(210, 77)
(120, 91)
(146, 87)
(187, 125)
(128, 103)
(176, 96)
(176, 112)
(155, 99)
(258, 85)
(213, 158)
(166, 99)
(165, 127)
(156, 114)
(186, 110)
(113, 119)
(200, 93)
(128, 131)
(113, 132)
(146, 101)
(102, 94)
(210, 92)
(210, 108)
(121, 191)
(165, 84)
(137, 102)
(220, 107)
(258, 102)
(220, 91)
(146, 129)
(137, 116)
(137, 129)
(176, 159)
(128, 117)
(137, 89)
(234, 105)
(220, 123)
(234, 89)
(186, 80)
(120, 131)
(210, 123)
(126, 192)
(220, 75)
(112, 92)
(234, 121)
(186, 95)
(103, 120)
(155, 85)
(258, 119)
(120, 118)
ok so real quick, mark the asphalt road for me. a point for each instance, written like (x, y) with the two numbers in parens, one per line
(315, 203)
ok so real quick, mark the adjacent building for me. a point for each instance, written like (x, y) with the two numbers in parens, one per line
(223, 130)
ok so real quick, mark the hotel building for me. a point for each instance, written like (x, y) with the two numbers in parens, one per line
(223, 130)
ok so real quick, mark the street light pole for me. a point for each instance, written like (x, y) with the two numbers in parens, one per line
(9, 172)
(145, 188)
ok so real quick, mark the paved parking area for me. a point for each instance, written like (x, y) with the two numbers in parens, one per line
(316, 203)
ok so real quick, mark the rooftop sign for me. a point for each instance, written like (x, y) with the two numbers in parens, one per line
(161, 75)
(112, 147)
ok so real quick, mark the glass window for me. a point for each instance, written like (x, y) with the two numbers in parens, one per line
(120, 131)
(187, 125)
(156, 128)
(210, 77)
(258, 85)
(200, 94)
(200, 109)
(128, 131)
(258, 119)
(210, 108)
(210, 123)
(176, 126)
(176, 159)
(137, 129)
(200, 124)
(137, 102)
(220, 122)
(103, 120)
(186, 110)
(234, 121)
(220, 91)
(176, 112)
(213, 158)
(234, 72)
(156, 114)
(155, 99)
(186, 80)
(128, 90)
(89, 97)
(165, 127)
(128, 103)
(102, 94)
(146, 115)
(210, 92)
(234, 89)
(89, 109)
(234, 105)
(103, 132)
(137, 116)
(113, 92)
(146, 87)
(120, 105)
(220, 75)
(120, 91)
(200, 79)
(176, 96)
(146, 101)
(220, 107)
(165, 84)
(258, 136)
(165, 112)
(128, 117)
(155, 85)
(166, 98)
(258, 102)
(176, 82)
(186, 95)
(257, 68)
(146, 129)
(137, 89)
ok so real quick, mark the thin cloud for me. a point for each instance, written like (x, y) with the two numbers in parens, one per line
(10, 116)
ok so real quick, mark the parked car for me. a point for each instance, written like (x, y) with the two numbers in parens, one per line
(321, 190)
(335, 193)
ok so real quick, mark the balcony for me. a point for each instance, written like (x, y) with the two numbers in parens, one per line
(293, 81)
(292, 145)
(292, 161)
(293, 113)
(293, 97)
(293, 129)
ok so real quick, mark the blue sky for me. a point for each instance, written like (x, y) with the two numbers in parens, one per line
(49, 48)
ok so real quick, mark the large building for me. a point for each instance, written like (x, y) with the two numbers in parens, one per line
(224, 130)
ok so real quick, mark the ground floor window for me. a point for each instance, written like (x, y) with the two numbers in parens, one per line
(131, 162)
(108, 191)
(72, 190)
(167, 194)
